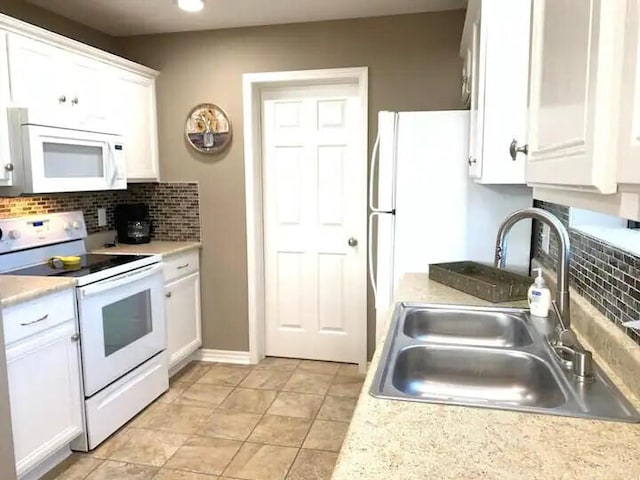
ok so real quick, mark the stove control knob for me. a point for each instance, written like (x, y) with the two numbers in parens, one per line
(14, 234)
(76, 225)
(67, 226)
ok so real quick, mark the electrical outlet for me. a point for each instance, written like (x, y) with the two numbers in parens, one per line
(546, 236)
(102, 217)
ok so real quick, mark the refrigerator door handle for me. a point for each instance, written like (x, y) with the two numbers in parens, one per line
(372, 172)
(370, 253)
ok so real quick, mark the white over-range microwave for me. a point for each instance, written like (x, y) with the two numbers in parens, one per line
(48, 155)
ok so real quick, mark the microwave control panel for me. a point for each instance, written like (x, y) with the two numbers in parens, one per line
(39, 230)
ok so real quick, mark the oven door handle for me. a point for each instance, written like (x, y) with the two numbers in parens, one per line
(120, 280)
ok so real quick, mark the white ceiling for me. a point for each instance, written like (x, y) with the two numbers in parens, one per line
(133, 17)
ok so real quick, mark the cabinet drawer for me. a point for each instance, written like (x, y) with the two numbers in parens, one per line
(26, 319)
(181, 265)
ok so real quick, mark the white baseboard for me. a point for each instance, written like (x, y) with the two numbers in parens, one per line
(48, 464)
(222, 356)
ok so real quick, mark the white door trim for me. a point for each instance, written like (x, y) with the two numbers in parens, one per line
(252, 84)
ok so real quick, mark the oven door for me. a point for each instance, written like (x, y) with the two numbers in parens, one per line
(65, 160)
(122, 324)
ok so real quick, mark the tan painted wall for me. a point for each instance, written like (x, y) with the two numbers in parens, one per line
(43, 18)
(413, 65)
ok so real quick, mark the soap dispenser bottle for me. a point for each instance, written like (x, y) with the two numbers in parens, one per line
(539, 296)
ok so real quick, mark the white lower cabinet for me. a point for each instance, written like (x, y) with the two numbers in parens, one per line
(182, 307)
(43, 369)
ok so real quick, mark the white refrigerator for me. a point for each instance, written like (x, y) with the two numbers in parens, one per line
(426, 209)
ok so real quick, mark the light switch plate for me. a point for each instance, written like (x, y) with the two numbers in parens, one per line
(546, 236)
(102, 217)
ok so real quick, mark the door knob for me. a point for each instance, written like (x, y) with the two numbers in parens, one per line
(353, 242)
(515, 150)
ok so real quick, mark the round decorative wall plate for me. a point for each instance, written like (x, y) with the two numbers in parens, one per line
(208, 128)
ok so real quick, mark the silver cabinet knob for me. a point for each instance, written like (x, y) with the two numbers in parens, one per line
(352, 242)
(515, 150)
(471, 161)
(75, 337)
(74, 101)
(9, 167)
(62, 99)
(168, 294)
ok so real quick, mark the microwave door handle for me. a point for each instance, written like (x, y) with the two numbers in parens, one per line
(112, 164)
(120, 280)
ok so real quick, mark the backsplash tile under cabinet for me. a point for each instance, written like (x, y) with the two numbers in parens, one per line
(173, 207)
(609, 278)
(88, 202)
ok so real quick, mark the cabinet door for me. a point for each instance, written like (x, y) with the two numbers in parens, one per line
(137, 100)
(183, 317)
(476, 102)
(44, 392)
(6, 176)
(504, 77)
(629, 141)
(89, 91)
(573, 97)
(36, 74)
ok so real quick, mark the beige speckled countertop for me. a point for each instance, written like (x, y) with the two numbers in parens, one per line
(155, 247)
(396, 440)
(17, 289)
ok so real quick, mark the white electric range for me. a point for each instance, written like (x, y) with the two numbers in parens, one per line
(121, 316)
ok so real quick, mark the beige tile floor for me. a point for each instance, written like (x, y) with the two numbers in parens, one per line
(281, 419)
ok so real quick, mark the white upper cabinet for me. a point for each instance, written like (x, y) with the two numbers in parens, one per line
(69, 86)
(576, 48)
(78, 86)
(136, 100)
(6, 167)
(496, 33)
(36, 78)
(629, 140)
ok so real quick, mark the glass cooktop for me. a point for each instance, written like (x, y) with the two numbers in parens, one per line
(89, 263)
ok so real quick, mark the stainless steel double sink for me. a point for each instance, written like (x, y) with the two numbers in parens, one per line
(487, 357)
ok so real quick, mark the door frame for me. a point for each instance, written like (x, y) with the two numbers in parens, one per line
(252, 86)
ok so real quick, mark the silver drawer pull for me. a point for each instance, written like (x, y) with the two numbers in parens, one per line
(44, 317)
(183, 266)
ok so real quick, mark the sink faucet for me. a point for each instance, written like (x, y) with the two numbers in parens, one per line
(562, 287)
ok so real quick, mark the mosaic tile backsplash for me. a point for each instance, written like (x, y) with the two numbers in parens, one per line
(173, 207)
(609, 278)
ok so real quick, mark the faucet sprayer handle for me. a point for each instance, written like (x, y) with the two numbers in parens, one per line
(565, 335)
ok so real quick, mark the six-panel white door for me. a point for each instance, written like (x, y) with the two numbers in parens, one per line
(314, 223)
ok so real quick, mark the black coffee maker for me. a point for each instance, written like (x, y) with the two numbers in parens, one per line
(132, 223)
